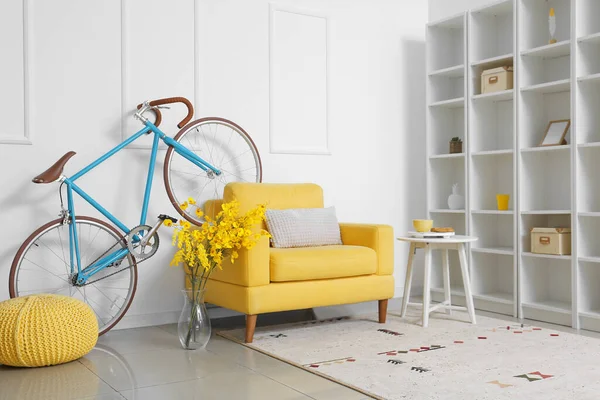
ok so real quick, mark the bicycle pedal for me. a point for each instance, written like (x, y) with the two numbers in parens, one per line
(164, 217)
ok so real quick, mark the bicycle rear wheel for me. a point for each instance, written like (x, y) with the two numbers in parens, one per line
(42, 265)
(223, 144)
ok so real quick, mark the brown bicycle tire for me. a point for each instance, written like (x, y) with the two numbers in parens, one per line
(25, 245)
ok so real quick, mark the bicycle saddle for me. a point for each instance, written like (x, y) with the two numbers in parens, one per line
(53, 173)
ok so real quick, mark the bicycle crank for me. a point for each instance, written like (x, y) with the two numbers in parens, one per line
(142, 245)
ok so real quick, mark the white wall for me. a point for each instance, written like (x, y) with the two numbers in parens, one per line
(84, 71)
(439, 9)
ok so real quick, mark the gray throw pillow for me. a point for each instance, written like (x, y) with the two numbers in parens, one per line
(303, 227)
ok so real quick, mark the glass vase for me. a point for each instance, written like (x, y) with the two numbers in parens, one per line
(194, 325)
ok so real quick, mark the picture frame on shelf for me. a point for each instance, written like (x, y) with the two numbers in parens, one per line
(556, 132)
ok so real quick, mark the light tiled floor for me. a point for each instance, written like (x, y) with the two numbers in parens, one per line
(148, 363)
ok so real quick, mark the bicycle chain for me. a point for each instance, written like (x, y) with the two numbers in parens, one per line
(121, 260)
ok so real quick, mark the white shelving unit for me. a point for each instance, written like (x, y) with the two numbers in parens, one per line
(492, 161)
(447, 116)
(501, 132)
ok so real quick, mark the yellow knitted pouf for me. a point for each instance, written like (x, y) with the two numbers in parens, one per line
(45, 329)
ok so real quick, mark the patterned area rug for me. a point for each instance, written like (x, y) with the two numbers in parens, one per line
(451, 359)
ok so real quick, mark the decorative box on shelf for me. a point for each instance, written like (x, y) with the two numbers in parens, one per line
(497, 79)
(555, 241)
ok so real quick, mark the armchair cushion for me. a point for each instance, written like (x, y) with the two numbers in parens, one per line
(323, 262)
(377, 237)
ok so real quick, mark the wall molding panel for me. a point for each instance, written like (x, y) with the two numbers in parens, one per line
(299, 43)
(16, 89)
(161, 58)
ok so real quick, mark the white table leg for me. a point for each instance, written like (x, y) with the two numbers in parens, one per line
(446, 270)
(408, 279)
(466, 281)
(426, 286)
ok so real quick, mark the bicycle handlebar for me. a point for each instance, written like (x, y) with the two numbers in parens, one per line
(170, 100)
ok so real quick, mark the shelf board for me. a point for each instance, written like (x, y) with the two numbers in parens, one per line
(504, 152)
(496, 8)
(588, 145)
(451, 22)
(550, 256)
(546, 148)
(496, 96)
(497, 297)
(505, 251)
(590, 259)
(494, 212)
(589, 214)
(590, 314)
(450, 72)
(446, 211)
(554, 50)
(442, 156)
(549, 305)
(498, 61)
(452, 103)
(563, 85)
(593, 38)
(546, 212)
(589, 78)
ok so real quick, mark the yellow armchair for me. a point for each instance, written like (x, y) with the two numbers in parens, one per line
(266, 279)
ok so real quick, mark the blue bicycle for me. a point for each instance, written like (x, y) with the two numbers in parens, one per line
(90, 259)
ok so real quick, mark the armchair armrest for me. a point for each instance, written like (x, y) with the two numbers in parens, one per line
(250, 269)
(378, 237)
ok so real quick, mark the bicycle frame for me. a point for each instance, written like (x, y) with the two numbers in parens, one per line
(99, 265)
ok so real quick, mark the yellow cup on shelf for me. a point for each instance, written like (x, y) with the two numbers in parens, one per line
(423, 225)
(502, 200)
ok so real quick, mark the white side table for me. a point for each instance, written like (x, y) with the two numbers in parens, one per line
(456, 242)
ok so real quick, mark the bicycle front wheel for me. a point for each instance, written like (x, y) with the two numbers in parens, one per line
(42, 265)
(225, 146)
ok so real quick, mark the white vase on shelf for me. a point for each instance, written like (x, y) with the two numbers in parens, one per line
(455, 200)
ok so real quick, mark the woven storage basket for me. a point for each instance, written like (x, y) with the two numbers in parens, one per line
(45, 329)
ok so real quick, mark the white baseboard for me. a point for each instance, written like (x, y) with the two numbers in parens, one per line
(346, 310)
(171, 317)
(141, 320)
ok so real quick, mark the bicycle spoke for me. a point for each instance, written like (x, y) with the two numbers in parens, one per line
(209, 148)
(49, 292)
(237, 176)
(189, 173)
(191, 146)
(228, 144)
(52, 251)
(96, 251)
(62, 246)
(44, 269)
(102, 293)
(108, 287)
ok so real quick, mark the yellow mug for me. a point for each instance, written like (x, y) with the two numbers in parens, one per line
(502, 200)
(423, 225)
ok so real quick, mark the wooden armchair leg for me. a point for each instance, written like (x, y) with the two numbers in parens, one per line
(382, 310)
(250, 327)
